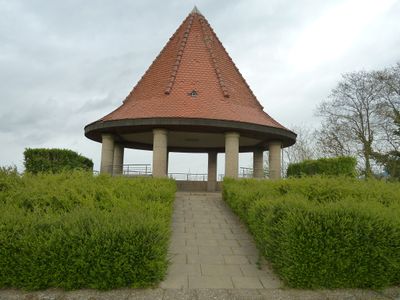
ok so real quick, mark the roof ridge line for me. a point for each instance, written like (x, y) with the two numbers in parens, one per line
(233, 63)
(225, 92)
(159, 54)
(178, 59)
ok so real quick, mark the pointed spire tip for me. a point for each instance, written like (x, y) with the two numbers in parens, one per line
(195, 10)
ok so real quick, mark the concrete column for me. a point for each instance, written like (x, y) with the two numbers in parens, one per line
(212, 172)
(160, 153)
(107, 153)
(275, 159)
(118, 159)
(258, 164)
(232, 154)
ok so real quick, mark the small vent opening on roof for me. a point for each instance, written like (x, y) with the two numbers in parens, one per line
(193, 93)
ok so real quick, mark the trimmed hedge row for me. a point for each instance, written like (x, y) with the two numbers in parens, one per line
(72, 230)
(323, 233)
(54, 160)
(336, 166)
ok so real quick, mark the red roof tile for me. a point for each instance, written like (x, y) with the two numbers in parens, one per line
(193, 60)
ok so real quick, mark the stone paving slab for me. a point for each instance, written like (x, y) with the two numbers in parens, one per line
(219, 270)
(210, 282)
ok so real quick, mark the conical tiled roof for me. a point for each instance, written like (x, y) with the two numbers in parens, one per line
(193, 77)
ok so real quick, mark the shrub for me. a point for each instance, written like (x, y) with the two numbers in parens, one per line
(319, 232)
(337, 166)
(9, 179)
(72, 230)
(54, 160)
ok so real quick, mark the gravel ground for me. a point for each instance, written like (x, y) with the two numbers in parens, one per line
(201, 294)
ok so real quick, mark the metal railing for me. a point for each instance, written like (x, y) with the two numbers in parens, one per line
(245, 172)
(136, 170)
(130, 170)
(146, 170)
(188, 176)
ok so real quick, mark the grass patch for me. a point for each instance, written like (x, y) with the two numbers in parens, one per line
(323, 232)
(73, 230)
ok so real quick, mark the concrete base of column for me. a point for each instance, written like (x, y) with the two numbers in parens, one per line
(107, 154)
(159, 153)
(232, 154)
(118, 159)
(275, 160)
(212, 172)
(258, 164)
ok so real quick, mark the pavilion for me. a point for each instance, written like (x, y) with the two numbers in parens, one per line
(192, 99)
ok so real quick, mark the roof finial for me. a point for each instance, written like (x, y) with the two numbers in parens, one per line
(195, 10)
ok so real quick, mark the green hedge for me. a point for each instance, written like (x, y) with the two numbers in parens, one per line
(72, 230)
(337, 166)
(323, 233)
(54, 160)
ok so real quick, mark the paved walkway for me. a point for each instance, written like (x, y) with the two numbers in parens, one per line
(211, 248)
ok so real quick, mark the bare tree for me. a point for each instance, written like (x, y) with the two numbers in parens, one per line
(305, 147)
(351, 122)
(389, 154)
(332, 141)
(389, 111)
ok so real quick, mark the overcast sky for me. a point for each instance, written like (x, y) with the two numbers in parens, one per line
(64, 64)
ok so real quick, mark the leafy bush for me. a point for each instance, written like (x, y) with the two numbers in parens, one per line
(54, 160)
(73, 230)
(337, 166)
(320, 232)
